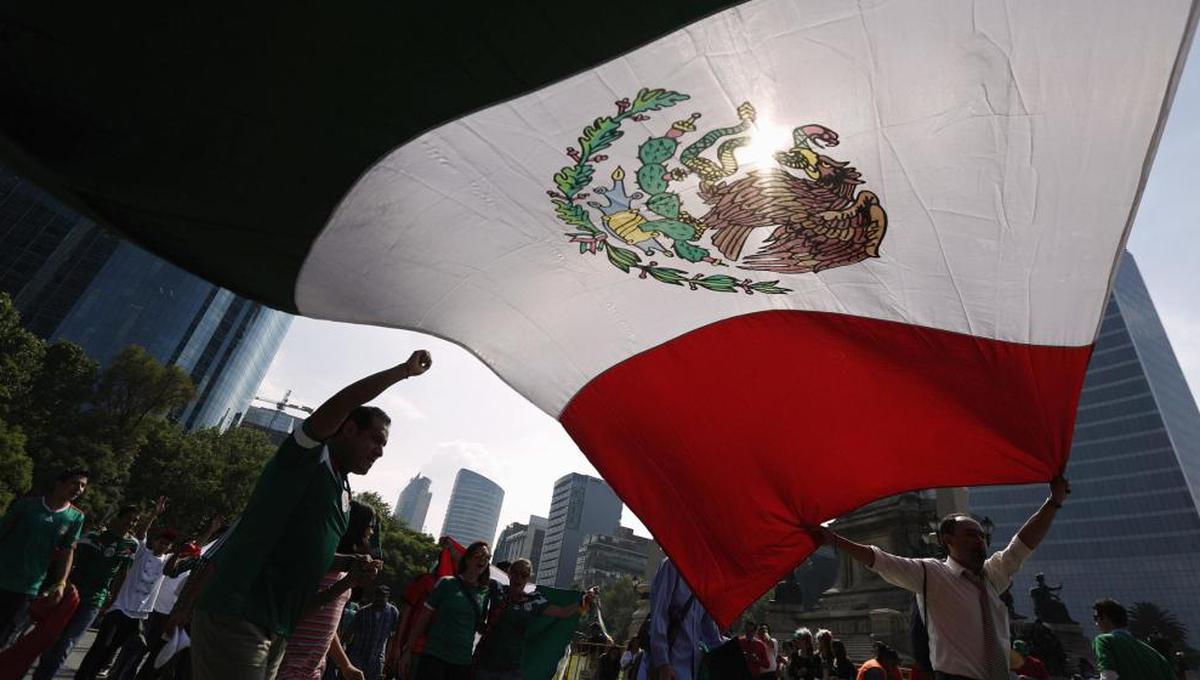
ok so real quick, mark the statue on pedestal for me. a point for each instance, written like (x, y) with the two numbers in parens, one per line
(1047, 605)
(789, 590)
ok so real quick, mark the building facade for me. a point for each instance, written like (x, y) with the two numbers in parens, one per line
(581, 505)
(508, 544)
(1130, 530)
(474, 509)
(603, 559)
(413, 504)
(276, 423)
(73, 280)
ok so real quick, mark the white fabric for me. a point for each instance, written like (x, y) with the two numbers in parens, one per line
(953, 612)
(1109, 675)
(168, 593)
(772, 654)
(142, 582)
(1006, 145)
(177, 641)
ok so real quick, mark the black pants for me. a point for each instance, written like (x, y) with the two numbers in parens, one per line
(141, 647)
(949, 676)
(432, 668)
(115, 630)
(13, 607)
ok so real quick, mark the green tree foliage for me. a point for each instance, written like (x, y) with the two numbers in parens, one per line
(20, 357)
(619, 601)
(16, 470)
(406, 553)
(136, 387)
(1148, 621)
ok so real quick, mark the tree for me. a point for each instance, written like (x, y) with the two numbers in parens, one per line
(406, 553)
(16, 470)
(1147, 620)
(61, 386)
(619, 600)
(20, 357)
(136, 387)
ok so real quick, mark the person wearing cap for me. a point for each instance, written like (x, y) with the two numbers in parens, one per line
(135, 596)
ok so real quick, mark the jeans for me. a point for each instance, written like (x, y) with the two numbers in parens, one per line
(13, 607)
(52, 659)
(115, 629)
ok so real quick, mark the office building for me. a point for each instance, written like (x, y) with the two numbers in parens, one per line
(508, 544)
(521, 540)
(276, 423)
(413, 504)
(474, 509)
(1130, 529)
(581, 505)
(603, 559)
(72, 280)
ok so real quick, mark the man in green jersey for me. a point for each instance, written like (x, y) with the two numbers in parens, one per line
(99, 556)
(35, 532)
(286, 538)
(1119, 655)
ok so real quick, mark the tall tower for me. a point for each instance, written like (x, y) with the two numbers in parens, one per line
(413, 504)
(72, 280)
(1130, 529)
(581, 505)
(474, 509)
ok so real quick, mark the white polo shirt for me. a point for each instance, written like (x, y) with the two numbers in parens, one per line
(953, 614)
(142, 583)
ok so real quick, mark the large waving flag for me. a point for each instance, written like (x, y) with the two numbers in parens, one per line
(765, 261)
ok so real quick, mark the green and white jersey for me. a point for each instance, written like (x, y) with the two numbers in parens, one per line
(29, 534)
(285, 540)
(98, 558)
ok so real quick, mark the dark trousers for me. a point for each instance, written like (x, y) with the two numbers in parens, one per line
(138, 648)
(54, 657)
(949, 676)
(433, 668)
(13, 607)
(115, 630)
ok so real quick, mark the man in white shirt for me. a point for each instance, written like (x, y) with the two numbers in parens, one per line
(134, 600)
(954, 595)
(764, 634)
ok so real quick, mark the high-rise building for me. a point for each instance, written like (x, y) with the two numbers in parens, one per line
(581, 505)
(1130, 529)
(521, 540)
(508, 544)
(275, 423)
(72, 280)
(474, 509)
(603, 559)
(413, 504)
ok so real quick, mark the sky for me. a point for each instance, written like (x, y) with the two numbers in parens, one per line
(461, 415)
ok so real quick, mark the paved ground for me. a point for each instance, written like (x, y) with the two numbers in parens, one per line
(68, 669)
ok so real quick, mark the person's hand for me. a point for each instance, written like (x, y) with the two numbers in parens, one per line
(665, 672)
(160, 505)
(1060, 488)
(54, 593)
(363, 573)
(418, 363)
(589, 599)
(821, 535)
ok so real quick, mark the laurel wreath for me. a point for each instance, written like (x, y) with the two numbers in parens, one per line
(571, 181)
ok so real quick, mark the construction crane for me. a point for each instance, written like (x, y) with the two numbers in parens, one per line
(281, 405)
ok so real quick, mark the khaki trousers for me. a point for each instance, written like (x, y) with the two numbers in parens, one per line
(229, 648)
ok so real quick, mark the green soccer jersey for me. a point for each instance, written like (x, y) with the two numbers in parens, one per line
(453, 631)
(505, 644)
(30, 532)
(98, 558)
(285, 540)
(1130, 658)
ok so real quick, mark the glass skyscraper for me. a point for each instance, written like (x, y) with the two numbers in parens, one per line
(72, 280)
(1130, 530)
(581, 505)
(413, 504)
(474, 509)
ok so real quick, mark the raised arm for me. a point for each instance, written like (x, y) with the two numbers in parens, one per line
(143, 527)
(1037, 526)
(858, 551)
(325, 421)
(904, 572)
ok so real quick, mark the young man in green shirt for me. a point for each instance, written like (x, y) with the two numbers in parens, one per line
(286, 538)
(1119, 655)
(99, 556)
(31, 532)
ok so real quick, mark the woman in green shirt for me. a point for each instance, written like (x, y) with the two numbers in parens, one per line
(500, 650)
(456, 609)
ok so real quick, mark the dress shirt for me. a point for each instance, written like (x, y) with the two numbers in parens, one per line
(952, 613)
(669, 599)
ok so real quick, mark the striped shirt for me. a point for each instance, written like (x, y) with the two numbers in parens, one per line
(370, 630)
(304, 658)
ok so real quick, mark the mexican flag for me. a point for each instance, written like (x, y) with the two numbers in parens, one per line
(765, 261)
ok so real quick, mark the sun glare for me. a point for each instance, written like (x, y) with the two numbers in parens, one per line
(766, 140)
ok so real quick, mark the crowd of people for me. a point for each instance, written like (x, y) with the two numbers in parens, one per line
(269, 595)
